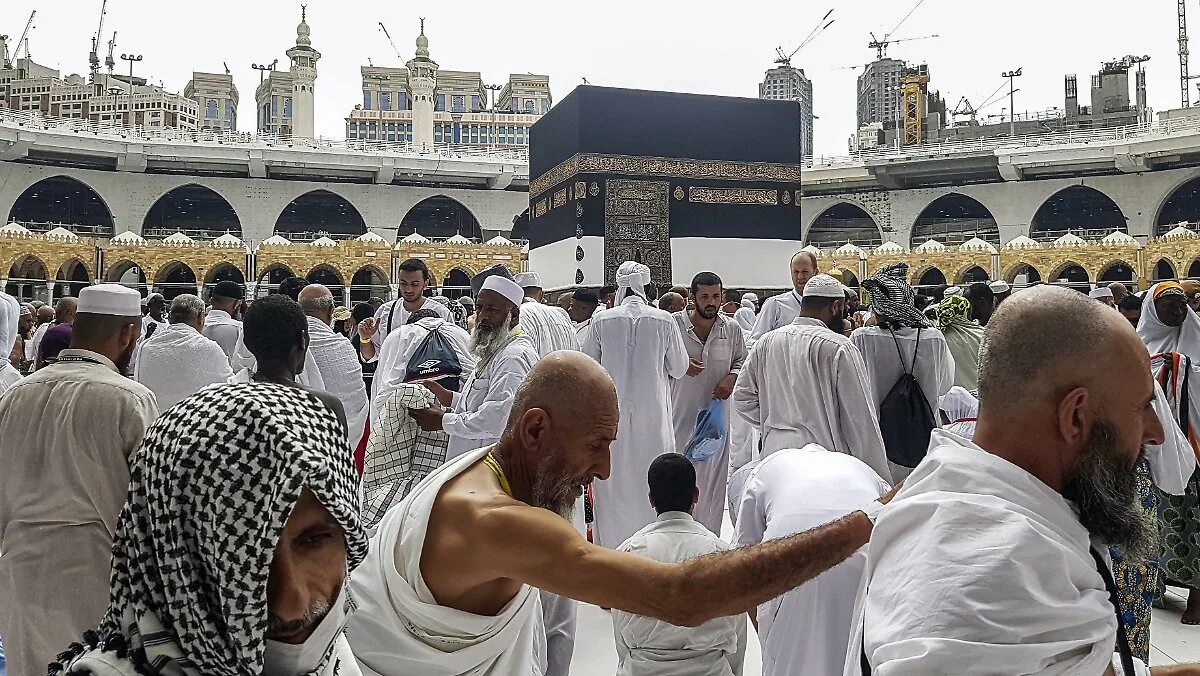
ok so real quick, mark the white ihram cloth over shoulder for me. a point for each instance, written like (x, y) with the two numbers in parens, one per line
(244, 364)
(177, 362)
(977, 567)
(399, 347)
(804, 384)
(548, 327)
(777, 311)
(392, 315)
(400, 629)
(1173, 462)
(642, 350)
(789, 492)
(223, 330)
(480, 410)
(647, 646)
(10, 315)
(341, 370)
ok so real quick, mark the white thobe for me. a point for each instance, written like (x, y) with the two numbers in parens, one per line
(342, 373)
(804, 384)
(223, 330)
(934, 366)
(177, 362)
(977, 567)
(548, 327)
(399, 347)
(66, 435)
(478, 414)
(641, 349)
(737, 488)
(722, 353)
(777, 311)
(651, 647)
(392, 315)
(31, 347)
(806, 630)
(399, 628)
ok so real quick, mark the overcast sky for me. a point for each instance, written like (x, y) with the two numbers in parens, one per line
(703, 47)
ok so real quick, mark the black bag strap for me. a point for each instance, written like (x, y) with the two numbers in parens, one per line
(900, 354)
(391, 313)
(1115, 599)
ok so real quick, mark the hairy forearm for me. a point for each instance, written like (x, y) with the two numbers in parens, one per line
(1177, 670)
(734, 582)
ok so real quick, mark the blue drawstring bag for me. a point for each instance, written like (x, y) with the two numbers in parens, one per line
(709, 436)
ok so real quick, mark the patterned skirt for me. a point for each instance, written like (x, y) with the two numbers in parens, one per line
(1179, 517)
(1138, 584)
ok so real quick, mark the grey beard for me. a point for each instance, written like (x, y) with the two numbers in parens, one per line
(486, 342)
(553, 489)
(1104, 489)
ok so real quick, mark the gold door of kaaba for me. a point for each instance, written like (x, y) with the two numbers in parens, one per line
(637, 227)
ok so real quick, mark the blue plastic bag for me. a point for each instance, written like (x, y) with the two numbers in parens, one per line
(709, 436)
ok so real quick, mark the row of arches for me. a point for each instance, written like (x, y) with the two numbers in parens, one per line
(1068, 272)
(202, 213)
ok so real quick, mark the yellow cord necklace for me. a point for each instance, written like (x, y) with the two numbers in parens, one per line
(494, 465)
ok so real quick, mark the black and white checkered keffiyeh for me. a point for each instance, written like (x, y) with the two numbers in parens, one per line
(399, 453)
(210, 489)
(892, 297)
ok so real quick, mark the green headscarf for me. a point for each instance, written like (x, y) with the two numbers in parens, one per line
(963, 338)
(952, 309)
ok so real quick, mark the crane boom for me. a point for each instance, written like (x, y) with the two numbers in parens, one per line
(94, 56)
(390, 40)
(1185, 95)
(24, 35)
(109, 63)
(880, 46)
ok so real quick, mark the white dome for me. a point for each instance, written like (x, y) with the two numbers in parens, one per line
(277, 240)
(977, 244)
(128, 237)
(1118, 238)
(458, 239)
(1022, 242)
(814, 250)
(15, 229)
(499, 240)
(179, 239)
(61, 233)
(323, 241)
(1179, 232)
(372, 238)
(849, 249)
(228, 240)
(931, 246)
(888, 248)
(415, 238)
(1068, 240)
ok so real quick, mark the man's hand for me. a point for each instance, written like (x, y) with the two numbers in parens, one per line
(443, 395)
(887, 497)
(428, 419)
(695, 368)
(367, 328)
(725, 387)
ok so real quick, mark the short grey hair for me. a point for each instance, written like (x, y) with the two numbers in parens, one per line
(185, 309)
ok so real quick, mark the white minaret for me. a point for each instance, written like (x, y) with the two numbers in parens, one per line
(422, 80)
(304, 74)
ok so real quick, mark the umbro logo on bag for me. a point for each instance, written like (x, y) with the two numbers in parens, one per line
(428, 364)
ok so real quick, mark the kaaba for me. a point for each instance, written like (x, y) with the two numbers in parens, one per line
(680, 182)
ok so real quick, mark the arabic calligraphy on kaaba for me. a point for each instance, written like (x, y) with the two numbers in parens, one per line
(666, 167)
(733, 195)
(637, 226)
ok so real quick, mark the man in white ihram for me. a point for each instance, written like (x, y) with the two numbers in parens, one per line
(806, 383)
(640, 347)
(402, 343)
(549, 327)
(336, 359)
(178, 361)
(993, 558)
(786, 493)
(781, 309)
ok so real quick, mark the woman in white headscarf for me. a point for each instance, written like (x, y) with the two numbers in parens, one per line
(1167, 323)
(959, 410)
(10, 316)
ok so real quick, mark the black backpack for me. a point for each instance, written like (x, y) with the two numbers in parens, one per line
(904, 415)
(435, 359)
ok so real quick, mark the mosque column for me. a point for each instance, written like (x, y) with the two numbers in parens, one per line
(346, 296)
(251, 290)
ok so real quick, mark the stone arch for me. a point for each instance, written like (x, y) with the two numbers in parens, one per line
(1081, 209)
(1163, 268)
(1022, 268)
(71, 277)
(439, 217)
(928, 275)
(320, 212)
(271, 276)
(455, 280)
(174, 278)
(1194, 269)
(128, 272)
(27, 277)
(969, 274)
(193, 209)
(367, 281)
(844, 222)
(224, 271)
(1182, 204)
(1119, 270)
(327, 274)
(64, 200)
(954, 218)
(1071, 269)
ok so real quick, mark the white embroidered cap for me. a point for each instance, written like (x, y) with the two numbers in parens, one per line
(505, 287)
(824, 286)
(528, 280)
(110, 299)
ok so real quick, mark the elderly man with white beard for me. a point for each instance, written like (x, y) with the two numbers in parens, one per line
(475, 416)
(992, 558)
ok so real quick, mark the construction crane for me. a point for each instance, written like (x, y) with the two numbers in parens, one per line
(94, 56)
(1184, 77)
(880, 46)
(23, 41)
(390, 40)
(108, 60)
(785, 60)
(964, 108)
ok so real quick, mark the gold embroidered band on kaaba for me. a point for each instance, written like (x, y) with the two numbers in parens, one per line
(668, 167)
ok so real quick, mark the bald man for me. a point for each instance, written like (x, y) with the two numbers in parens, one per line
(783, 309)
(335, 358)
(1047, 483)
(450, 583)
(672, 302)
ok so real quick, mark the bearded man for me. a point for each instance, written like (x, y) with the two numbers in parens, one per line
(1048, 482)
(474, 417)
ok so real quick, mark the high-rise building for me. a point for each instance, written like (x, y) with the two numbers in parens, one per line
(786, 83)
(216, 100)
(879, 93)
(425, 105)
(273, 100)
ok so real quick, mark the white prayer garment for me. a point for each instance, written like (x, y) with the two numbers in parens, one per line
(400, 629)
(745, 318)
(777, 311)
(177, 362)
(342, 374)
(806, 630)
(640, 347)
(976, 567)
(1173, 462)
(245, 364)
(223, 330)
(548, 327)
(399, 347)
(479, 412)
(10, 315)
(650, 647)
(737, 488)
(960, 408)
(722, 353)
(804, 384)
(66, 435)
(392, 315)
(31, 349)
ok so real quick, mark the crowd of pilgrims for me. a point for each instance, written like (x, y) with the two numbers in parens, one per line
(973, 480)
